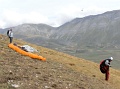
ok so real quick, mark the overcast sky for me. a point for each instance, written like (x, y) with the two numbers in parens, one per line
(51, 12)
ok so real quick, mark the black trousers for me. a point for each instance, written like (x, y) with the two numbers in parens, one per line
(11, 39)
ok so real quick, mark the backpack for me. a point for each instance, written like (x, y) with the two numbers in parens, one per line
(8, 33)
(103, 67)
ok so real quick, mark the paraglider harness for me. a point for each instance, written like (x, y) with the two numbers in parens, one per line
(8, 33)
(103, 68)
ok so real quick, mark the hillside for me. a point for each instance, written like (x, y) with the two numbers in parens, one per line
(59, 71)
(100, 30)
(92, 37)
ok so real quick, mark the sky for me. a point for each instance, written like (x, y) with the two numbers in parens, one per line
(51, 12)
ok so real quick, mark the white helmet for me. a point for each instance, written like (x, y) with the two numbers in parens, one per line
(111, 58)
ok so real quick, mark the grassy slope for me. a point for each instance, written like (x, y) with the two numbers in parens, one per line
(60, 71)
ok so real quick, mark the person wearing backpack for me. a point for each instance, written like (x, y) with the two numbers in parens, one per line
(104, 67)
(10, 35)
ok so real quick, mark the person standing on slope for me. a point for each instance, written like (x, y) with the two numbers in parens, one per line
(10, 35)
(104, 67)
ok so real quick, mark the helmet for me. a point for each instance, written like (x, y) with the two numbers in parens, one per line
(111, 58)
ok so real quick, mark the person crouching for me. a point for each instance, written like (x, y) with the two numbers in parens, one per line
(104, 67)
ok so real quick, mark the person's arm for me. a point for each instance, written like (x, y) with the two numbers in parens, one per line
(11, 34)
(107, 63)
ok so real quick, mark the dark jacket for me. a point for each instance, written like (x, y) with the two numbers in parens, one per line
(104, 65)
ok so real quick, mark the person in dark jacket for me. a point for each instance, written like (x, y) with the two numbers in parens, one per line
(104, 67)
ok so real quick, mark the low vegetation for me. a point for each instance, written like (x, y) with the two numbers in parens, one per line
(59, 71)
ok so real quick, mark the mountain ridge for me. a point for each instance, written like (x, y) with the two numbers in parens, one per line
(92, 37)
(92, 30)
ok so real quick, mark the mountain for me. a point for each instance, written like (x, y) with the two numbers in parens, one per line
(32, 30)
(1, 30)
(100, 30)
(59, 71)
(34, 33)
(92, 37)
(96, 30)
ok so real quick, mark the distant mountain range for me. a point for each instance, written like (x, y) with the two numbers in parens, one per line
(102, 30)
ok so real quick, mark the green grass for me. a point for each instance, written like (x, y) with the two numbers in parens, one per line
(96, 55)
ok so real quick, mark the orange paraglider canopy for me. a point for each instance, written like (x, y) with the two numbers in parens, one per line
(32, 55)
